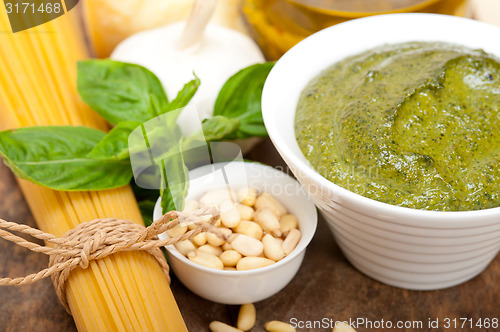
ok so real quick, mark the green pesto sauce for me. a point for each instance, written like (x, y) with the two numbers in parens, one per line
(415, 125)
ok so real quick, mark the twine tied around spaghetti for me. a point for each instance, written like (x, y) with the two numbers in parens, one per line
(100, 238)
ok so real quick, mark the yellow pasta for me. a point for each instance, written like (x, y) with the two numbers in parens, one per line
(124, 292)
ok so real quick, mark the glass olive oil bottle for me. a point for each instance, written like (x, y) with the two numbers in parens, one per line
(280, 24)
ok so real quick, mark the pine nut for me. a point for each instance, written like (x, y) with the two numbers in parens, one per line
(253, 231)
(211, 249)
(251, 263)
(192, 225)
(217, 326)
(246, 245)
(266, 201)
(246, 317)
(250, 228)
(268, 220)
(247, 196)
(291, 241)
(215, 197)
(277, 326)
(184, 247)
(246, 212)
(272, 248)
(287, 222)
(225, 231)
(229, 214)
(230, 257)
(200, 239)
(215, 240)
(205, 259)
(191, 205)
(177, 230)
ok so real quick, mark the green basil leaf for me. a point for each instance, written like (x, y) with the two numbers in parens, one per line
(252, 125)
(240, 98)
(121, 91)
(175, 189)
(115, 143)
(56, 157)
(185, 95)
(219, 127)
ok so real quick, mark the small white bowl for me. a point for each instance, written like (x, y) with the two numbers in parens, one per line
(238, 287)
(399, 246)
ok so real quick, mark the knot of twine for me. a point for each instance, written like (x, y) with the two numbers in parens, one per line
(100, 238)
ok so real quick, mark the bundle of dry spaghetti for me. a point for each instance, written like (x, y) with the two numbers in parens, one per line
(127, 291)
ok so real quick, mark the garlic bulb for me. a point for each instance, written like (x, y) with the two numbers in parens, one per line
(108, 22)
(486, 11)
(174, 52)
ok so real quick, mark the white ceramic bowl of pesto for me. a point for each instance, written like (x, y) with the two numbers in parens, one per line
(239, 287)
(399, 246)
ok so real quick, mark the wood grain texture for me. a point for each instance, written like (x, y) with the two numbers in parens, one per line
(33, 307)
(326, 286)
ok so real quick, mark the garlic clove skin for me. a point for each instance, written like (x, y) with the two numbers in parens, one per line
(111, 21)
(220, 53)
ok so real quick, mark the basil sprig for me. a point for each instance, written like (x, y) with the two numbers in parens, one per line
(74, 158)
(57, 157)
(239, 99)
(115, 143)
(121, 91)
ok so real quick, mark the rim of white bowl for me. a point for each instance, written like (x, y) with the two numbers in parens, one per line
(295, 161)
(295, 252)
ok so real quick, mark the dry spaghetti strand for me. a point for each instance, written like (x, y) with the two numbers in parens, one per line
(100, 238)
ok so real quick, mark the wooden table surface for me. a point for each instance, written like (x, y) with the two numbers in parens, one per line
(326, 286)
